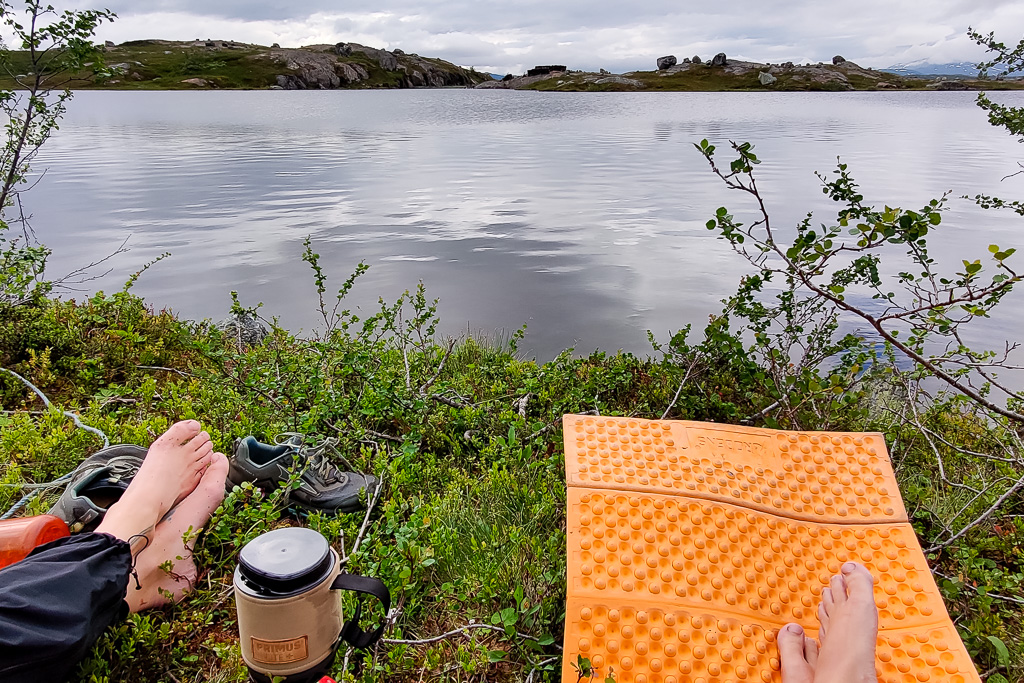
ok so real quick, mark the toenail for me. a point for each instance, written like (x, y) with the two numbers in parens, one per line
(849, 567)
(796, 629)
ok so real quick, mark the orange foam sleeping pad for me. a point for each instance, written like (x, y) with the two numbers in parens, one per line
(690, 544)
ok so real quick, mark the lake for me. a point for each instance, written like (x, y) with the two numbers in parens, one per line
(579, 214)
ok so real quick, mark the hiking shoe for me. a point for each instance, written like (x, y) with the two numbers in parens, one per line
(322, 485)
(97, 484)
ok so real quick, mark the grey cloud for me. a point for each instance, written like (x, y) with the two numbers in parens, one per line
(611, 34)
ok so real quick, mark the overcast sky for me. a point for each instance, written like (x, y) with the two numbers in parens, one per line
(619, 35)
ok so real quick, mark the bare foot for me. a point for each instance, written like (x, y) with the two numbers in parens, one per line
(798, 653)
(165, 567)
(170, 471)
(849, 628)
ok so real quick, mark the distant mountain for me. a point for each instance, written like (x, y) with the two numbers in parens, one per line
(954, 69)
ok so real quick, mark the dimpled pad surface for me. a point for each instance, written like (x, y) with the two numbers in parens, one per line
(671, 583)
(816, 476)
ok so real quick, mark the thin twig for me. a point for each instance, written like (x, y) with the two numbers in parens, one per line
(538, 665)
(680, 389)
(74, 418)
(985, 515)
(464, 630)
(1007, 598)
(451, 402)
(366, 519)
(159, 367)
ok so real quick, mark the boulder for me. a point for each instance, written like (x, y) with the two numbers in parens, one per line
(243, 329)
(718, 60)
(838, 59)
(696, 60)
(766, 78)
(275, 46)
(200, 82)
(686, 60)
(396, 51)
(343, 49)
(313, 70)
(385, 59)
(620, 80)
(108, 43)
(350, 73)
(666, 62)
(787, 65)
(885, 85)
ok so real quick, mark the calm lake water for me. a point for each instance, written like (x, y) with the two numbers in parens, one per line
(581, 215)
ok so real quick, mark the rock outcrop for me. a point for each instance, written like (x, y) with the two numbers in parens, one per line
(696, 60)
(838, 59)
(620, 80)
(718, 60)
(766, 78)
(326, 67)
(387, 60)
(666, 62)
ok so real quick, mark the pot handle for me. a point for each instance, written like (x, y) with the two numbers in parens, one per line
(350, 632)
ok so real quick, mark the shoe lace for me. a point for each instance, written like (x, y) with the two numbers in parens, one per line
(316, 453)
(119, 467)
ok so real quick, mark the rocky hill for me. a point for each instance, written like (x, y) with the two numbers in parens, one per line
(721, 73)
(170, 65)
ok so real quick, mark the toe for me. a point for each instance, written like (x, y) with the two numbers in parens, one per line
(838, 589)
(822, 621)
(828, 600)
(217, 473)
(859, 582)
(199, 440)
(204, 451)
(811, 651)
(795, 667)
(180, 432)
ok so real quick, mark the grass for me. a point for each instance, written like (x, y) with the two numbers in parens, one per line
(471, 525)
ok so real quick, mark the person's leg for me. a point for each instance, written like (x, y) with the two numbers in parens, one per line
(849, 628)
(165, 567)
(56, 603)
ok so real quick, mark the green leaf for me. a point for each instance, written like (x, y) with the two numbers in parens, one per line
(546, 639)
(1002, 653)
(496, 655)
(993, 248)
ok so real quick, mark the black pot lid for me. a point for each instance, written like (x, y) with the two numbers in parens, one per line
(285, 561)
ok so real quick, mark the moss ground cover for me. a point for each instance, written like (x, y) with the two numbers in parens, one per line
(471, 523)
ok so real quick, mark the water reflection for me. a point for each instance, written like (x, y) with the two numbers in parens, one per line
(579, 214)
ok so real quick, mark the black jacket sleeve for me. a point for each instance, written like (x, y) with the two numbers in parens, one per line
(56, 603)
